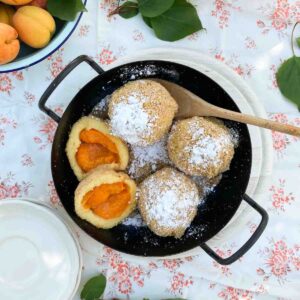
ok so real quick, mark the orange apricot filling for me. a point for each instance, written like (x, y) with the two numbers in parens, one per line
(95, 149)
(108, 201)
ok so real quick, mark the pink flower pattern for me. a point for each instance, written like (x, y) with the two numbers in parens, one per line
(280, 15)
(9, 188)
(56, 63)
(230, 293)
(106, 57)
(279, 197)
(226, 251)
(222, 11)
(280, 260)
(47, 128)
(124, 275)
(250, 43)
(179, 282)
(27, 160)
(272, 77)
(83, 30)
(18, 75)
(108, 6)
(280, 140)
(194, 36)
(252, 226)
(172, 264)
(54, 200)
(244, 70)
(30, 98)
(138, 36)
(6, 81)
(6, 123)
(5, 84)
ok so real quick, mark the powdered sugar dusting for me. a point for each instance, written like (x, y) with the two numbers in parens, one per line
(100, 110)
(206, 185)
(146, 160)
(134, 73)
(134, 219)
(235, 136)
(205, 149)
(129, 120)
(170, 202)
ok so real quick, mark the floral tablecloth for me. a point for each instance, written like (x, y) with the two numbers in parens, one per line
(252, 37)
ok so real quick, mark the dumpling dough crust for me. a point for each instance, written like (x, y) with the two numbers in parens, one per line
(97, 177)
(74, 143)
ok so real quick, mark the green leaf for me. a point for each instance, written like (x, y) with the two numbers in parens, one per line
(176, 23)
(174, 299)
(288, 79)
(65, 10)
(147, 21)
(94, 288)
(154, 8)
(298, 41)
(128, 9)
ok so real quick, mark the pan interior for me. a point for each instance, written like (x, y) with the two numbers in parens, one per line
(217, 208)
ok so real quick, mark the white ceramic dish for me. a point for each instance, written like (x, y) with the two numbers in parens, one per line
(30, 59)
(40, 258)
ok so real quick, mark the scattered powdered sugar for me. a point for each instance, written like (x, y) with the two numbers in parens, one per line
(206, 185)
(138, 72)
(205, 149)
(146, 71)
(146, 160)
(129, 120)
(196, 231)
(235, 136)
(100, 110)
(170, 202)
(134, 219)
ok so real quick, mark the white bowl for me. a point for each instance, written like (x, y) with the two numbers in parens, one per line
(39, 253)
(27, 59)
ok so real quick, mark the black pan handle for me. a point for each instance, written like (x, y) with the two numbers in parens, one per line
(251, 241)
(61, 76)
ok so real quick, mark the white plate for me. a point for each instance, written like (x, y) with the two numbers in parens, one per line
(39, 257)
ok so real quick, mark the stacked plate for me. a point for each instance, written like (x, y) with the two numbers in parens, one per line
(40, 257)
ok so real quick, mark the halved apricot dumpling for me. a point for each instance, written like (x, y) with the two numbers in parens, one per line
(105, 197)
(91, 145)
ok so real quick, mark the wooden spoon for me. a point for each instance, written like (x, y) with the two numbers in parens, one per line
(191, 105)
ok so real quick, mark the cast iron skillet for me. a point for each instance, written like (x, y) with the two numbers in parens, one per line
(217, 209)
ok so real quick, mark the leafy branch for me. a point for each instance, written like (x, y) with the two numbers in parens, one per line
(65, 10)
(94, 289)
(127, 10)
(288, 74)
(171, 20)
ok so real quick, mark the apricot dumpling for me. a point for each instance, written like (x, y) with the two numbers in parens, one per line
(91, 145)
(105, 197)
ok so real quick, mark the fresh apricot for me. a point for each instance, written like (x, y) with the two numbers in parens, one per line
(15, 2)
(34, 25)
(39, 3)
(6, 14)
(9, 44)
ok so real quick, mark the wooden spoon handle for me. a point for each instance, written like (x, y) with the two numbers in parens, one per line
(264, 123)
